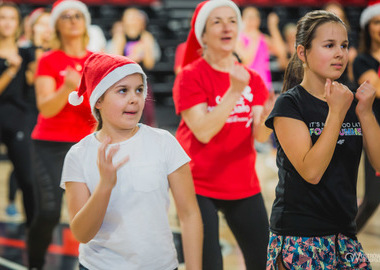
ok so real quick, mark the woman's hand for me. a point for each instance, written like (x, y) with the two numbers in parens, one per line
(239, 78)
(72, 78)
(14, 61)
(365, 96)
(273, 21)
(338, 97)
(108, 170)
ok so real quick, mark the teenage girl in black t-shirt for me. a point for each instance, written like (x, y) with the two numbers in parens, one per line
(320, 131)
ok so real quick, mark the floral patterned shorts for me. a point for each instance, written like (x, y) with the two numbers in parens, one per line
(316, 253)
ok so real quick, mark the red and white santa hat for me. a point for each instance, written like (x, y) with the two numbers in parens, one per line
(202, 11)
(369, 12)
(100, 72)
(63, 5)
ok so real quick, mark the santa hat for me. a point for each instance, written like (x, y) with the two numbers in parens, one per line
(63, 5)
(101, 71)
(369, 12)
(202, 11)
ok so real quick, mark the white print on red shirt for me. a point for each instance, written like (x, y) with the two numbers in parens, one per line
(240, 108)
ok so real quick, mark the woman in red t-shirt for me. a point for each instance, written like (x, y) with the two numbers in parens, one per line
(59, 124)
(221, 103)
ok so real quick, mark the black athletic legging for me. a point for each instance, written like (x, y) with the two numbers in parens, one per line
(14, 135)
(48, 158)
(248, 221)
(371, 198)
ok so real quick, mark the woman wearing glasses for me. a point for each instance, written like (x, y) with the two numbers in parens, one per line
(59, 124)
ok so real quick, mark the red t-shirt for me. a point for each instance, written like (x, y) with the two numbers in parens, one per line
(72, 123)
(224, 168)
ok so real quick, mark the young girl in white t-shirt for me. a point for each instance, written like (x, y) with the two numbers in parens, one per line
(117, 179)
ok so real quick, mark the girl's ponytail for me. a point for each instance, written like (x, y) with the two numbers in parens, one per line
(293, 73)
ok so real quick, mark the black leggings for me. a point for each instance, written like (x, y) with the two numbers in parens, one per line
(371, 198)
(31, 120)
(48, 162)
(14, 134)
(248, 221)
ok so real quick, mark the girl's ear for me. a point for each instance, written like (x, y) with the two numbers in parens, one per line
(301, 53)
(98, 104)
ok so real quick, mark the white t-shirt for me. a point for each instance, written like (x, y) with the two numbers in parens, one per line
(135, 233)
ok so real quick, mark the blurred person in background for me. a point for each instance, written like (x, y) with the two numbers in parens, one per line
(134, 41)
(252, 46)
(366, 68)
(59, 124)
(14, 131)
(281, 45)
(40, 39)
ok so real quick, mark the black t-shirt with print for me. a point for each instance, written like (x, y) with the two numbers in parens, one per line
(364, 62)
(304, 209)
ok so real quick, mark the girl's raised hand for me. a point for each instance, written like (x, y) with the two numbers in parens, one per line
(338, 97)
(365, 96)
(108, 170)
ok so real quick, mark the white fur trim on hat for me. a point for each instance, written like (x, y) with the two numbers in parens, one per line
(368, 13)
(205, 12)
(69, 4)
(74, 99)
(111, 78)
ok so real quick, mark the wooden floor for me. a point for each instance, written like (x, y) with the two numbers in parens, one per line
(12, 254)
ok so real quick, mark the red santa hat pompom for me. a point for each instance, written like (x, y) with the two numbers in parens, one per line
(101, 71)
(194, 40)
(63, 5)
(369, 12)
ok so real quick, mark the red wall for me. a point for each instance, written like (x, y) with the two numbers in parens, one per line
(267, 3)
(93, 2)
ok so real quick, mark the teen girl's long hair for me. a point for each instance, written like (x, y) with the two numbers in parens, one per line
(306, 28)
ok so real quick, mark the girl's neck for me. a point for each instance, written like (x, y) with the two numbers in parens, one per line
(116, 136)
(74, 47)
(220, 62)
(314, 85)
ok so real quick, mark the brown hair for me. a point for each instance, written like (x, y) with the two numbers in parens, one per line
(306, 28)
(365, 40)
